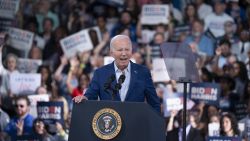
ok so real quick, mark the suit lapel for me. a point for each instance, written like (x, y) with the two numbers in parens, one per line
(133, 73)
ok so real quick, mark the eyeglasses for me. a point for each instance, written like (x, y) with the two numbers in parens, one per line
(19, 105)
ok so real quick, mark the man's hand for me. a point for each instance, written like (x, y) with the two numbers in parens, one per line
(19, 126)
(79, 98)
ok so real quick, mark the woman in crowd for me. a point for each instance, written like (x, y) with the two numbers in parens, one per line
(46, 76)
(229, 125)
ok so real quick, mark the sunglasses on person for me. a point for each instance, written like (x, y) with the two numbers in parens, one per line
(19, 105)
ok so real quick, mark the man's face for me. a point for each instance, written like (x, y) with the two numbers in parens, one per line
(121, 50)
(219, 8)
(21, 107)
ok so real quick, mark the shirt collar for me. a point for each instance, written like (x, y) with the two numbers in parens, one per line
(126, 69)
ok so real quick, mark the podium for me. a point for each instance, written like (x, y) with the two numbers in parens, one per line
(139, 121)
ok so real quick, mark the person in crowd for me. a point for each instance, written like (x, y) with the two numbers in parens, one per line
(46, 76)
(215, 21)
(174, 130)
(137, 83)
(190, 14)
(21, 124)
(57, 97)
(5, 91)
(43, 11)
(35, 53)
(126, 22)
(4, 120)
(83, 80)
(229, 125)
(48, 29)
(203, 44)
(203, 9)
(242, 47)
(40, 130)
(227, 97)
(222, 52)
(246, 122)
(241, 78)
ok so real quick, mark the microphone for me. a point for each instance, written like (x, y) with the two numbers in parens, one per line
(107, 84)
(121, 79)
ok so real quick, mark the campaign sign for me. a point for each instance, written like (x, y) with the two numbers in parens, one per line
(22, 83)
(33, 102)
(8, 8)
(153, 14)
(28, 65)
(206, 92)
(224, 139)
(172, 100)
(50, 112)
(78, 42)
(20, 39)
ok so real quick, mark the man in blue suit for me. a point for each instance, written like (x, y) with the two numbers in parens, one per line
(134, 80)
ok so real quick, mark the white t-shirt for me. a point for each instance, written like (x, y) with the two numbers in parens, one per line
(215, 23)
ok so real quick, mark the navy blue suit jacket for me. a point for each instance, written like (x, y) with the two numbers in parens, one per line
(140, 87)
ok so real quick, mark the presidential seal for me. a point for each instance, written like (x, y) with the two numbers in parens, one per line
(106, 124)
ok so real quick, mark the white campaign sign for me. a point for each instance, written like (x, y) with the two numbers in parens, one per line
(78, 42)
(153, 14)
(20, 39)
(8, 8)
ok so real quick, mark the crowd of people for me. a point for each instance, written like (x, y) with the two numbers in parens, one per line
(216, 31)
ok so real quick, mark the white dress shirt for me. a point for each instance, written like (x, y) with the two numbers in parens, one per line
(125, 85)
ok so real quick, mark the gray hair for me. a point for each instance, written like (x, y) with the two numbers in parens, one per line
(121, 37)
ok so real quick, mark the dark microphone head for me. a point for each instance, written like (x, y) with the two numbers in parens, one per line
(118, 86)
(121, 79)
(109, 81)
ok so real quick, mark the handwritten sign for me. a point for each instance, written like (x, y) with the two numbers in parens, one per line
(22, 83)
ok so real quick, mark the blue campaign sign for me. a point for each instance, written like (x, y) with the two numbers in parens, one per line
(224, 139)
(50, 112)
(206, 92)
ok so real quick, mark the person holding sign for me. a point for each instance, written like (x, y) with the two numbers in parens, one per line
(134, 80)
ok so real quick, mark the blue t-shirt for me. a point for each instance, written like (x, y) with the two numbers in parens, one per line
(11, 128)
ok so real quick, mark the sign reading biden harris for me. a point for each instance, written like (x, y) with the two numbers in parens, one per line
(78, 42)
(153, 14)
(50, 112)
(206, 92)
